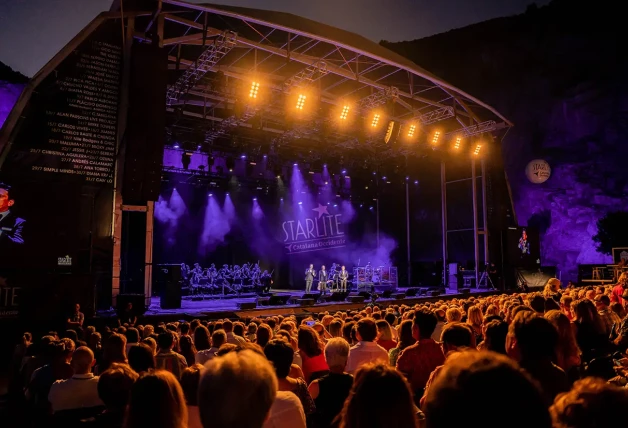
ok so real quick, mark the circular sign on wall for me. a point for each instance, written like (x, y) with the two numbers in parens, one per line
(538, 171)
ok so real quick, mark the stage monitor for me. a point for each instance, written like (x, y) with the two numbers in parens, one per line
(522, 247)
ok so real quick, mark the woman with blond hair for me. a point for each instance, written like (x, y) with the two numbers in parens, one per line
(453, 315)
(475, 321)
(552, 289)
(567, 351)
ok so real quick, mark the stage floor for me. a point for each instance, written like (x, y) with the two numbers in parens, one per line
(230, 307)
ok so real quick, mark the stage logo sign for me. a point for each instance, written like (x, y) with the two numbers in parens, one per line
(320, 231)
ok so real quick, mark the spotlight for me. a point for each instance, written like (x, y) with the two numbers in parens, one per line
(384, 178)
(335, 205)
(477, 149)
(411, 130)
(457, 143)
(375, 120)
(227, 194)
(265, 156)
(435, 137)
(230, 169)
(301, 102)
(255, 199)
(211, 194)
(254, 89)
(281, 199)
(300, 203)
(295, 164)
(344, 171)
(345, 113)
(176, 145)
(416, 181)
(198, 147)
(243, 157)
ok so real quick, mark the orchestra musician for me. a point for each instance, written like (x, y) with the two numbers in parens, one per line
(323, 278)
(309, 278)
(343, 275)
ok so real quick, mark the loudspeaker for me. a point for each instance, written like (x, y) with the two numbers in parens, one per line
(398, 296)
(247, 305)
(138, 301)
(278, 300)
(145, 131)
(339, 296)
(306, 302)
(412, 292)
(386, 294)
(454, 281)
(355, 299)
(310, 296)
(171, 296)
(365, 294)
(434, 293)
(465, 291)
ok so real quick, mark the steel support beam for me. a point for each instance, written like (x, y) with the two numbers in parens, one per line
(476, 244)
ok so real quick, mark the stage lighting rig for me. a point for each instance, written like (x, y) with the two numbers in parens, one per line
(435, 137)
(254, 90)
(375, 120)
(478, 147)
(344, 113)
(457, 143)
(411, 130)
(301, 101)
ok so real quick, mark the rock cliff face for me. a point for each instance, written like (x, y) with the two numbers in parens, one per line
(560, 74)
(11, 86)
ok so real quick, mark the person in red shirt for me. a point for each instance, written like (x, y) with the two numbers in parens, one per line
(618, 290)
(418, 361)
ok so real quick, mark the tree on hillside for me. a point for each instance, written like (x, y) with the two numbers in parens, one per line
(612, 231)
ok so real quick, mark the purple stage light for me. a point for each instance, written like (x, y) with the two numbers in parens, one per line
(374, 173)
(407, 178)
(243, 157)
(416, 181)
(384, 178)
(371, 208)
(325, 165)
(295, 164)
(344, 171)
(255, 199)
(335, 205)
(265, 156)
(211, 194)
(198, 147)
(300, 203)
(176, 145)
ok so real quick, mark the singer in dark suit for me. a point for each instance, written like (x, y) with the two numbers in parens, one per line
(11, 226)
(343, 275)
(323, 277)
(310, 273)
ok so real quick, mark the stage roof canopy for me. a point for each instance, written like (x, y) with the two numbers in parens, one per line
(234, 72)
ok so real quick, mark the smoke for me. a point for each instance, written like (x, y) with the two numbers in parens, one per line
(170, 211)
(216, 225)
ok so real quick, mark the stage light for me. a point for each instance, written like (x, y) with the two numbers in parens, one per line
(335, 205)
(281, 199)
(300, 203)
(324, 165)
(344, 171)
(255, 199)
(301, 102)
(374, 173)
(230, 169)
(345, 113)
(295, 164)
(375, 120)
(265, 156)
(211, 194)
(311, 172)
(392, 132)
(198, 147)
(254, 89)
(384, 178)
(243, 157)
(407, 178)
(457, 143)
(477, 149)
(176, 145)
(411, 130)
(416, 181)
(326, 182)
(435, 137)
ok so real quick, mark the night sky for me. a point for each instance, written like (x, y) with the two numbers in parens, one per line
(32, 31)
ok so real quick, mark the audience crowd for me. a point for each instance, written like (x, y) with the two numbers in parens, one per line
(551, 359)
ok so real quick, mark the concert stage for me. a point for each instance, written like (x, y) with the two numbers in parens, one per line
(231, 307)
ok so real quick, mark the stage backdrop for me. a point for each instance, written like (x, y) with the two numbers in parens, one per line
(284, 231)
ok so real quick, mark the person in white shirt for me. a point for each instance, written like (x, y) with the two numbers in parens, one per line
(286, 412)
(366, 350)
(219, 338)
(81, 390)
(231, 337)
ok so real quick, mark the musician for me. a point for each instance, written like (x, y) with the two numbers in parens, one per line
(11, 226)
(343, 275)
(310, 273)
(323, 277)
(524, 245)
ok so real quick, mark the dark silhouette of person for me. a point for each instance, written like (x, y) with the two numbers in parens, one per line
(11, 226)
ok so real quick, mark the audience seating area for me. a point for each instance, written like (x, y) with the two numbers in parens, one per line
(550, 359)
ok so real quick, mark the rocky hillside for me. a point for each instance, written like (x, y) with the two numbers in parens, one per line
(11, 85)
(559, 73)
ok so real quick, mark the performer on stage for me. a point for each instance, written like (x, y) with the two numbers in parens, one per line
(343, 275)
(323, 277)
(309, 278)
(11, 226)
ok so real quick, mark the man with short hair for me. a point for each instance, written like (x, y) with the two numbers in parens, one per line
(166, 358)
(81, 390)
(76, 319)
(232, 338)
(11, 226)
(233, 379)
(610, 318)
(219, 338)
(418, 361)
(366, 350)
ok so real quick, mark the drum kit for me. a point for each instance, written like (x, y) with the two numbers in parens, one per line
(369, 276)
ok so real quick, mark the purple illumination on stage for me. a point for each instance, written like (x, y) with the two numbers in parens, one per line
(257, 212)
(216, 225)
(169, 211)
(9, 93)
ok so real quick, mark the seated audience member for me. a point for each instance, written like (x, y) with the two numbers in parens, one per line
(391, 319)
(141, 358)
(608, 317)
(264, 334)
(565, 306)
(132, 338)
(347, 329)
(405, 339)
(202, 340)
(366, 350)
(590, 403)
(532, 342)
(335, 328)
(251, 332)
(495, 333)
(418, 361)
(237, 379)
(280, 353)
(442, 320)
(475, 321)
(330, 391)
(59, 368)
(465, 383)
(552, 289)
(311, 349)
(385, 335)
(114, 351)
(452, 315)
(114, 388)
(81, 390)
(187, 349)
(567, 352)
(166, 358)
(232, 338)
(219, 338)
(537, 303)
(380, 397)
(590, 330)
(156, 401)
(127, 316)
(190, 379)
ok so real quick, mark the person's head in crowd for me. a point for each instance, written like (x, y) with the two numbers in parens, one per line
(531, 338)
(619, 309)
(190, 379)
(95, 341)
(194, 324)
(380, 397)
(384, 332)
(406, 337)
(366, 330)
(310, 342)
(335, 328)
(519, 308)
(474, 317)
(469, 379)
(337, 354)
(141, 358)
(251, 331)
(602, 302)
(453, 315)
(219, 338)
(551, 305)
(377, 316)
(165, 341)
(148, 331)
(201, 338)
(83, 360)
(457, 336)
(584, 313)
(132, 335)
(114, 386)
(225, 349)
(491, 310)
(423, 324)
(592, 402)
(567, 347)
(346, 331)
(280, 353)
(70, 334)
(271, 323)
(231, 380)
(391, 319)
(114, 349)
(590, 295)
(186, 346)
(184, 328)
(551, 287)
(156, 401)
(537, 303)
(238, 329)
(151, 343)
(495, 333)
(227, 326)
(264, 334)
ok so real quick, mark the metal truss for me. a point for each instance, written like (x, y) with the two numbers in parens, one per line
(378, 98)
(221, 46)
(307, 76)
(480, 128)
(437, 115)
